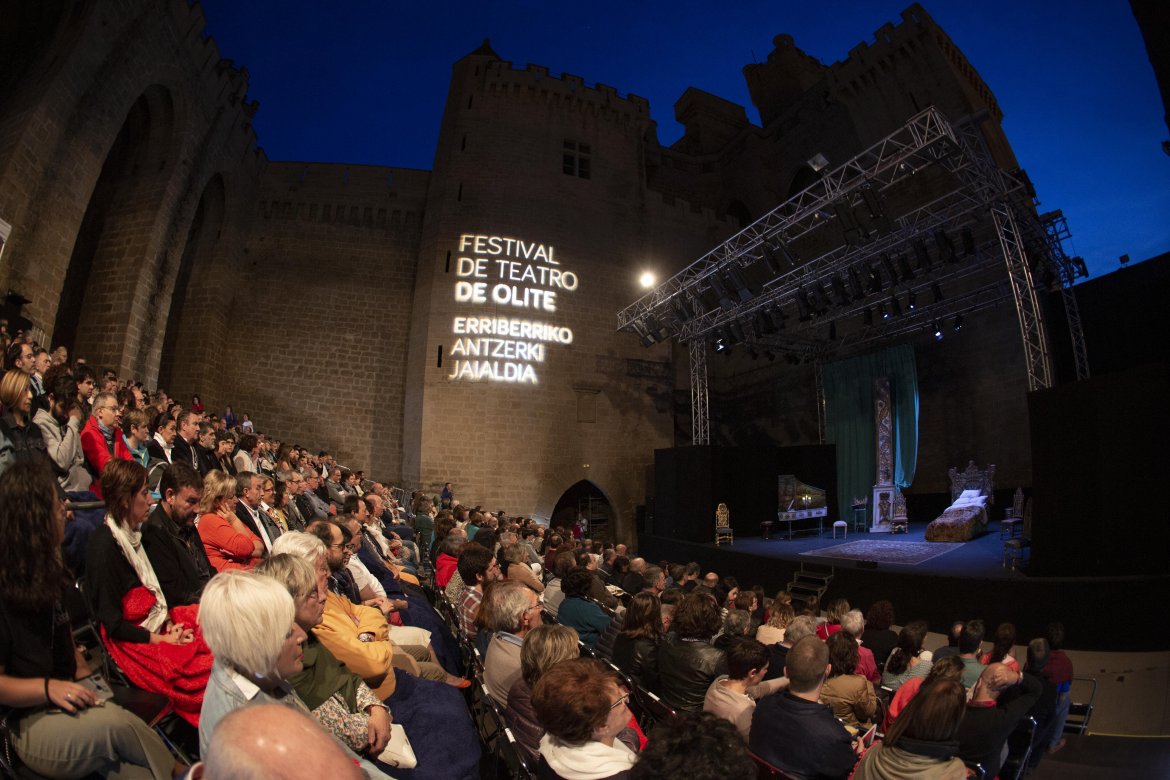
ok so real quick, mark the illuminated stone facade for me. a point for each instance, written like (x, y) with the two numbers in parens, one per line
(459, 323)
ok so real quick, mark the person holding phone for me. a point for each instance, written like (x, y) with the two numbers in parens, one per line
(62, 727)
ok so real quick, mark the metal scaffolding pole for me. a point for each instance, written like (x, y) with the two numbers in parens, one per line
(699, 419)
(819, 372)
(1032, 333)
(1055, 233)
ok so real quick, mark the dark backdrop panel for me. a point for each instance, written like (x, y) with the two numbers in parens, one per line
(1099, 486)
(691, 481)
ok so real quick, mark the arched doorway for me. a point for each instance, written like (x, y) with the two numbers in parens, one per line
(584, 499)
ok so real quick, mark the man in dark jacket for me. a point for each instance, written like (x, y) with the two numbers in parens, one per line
(173, 545)
(988, 723)
(793, 731)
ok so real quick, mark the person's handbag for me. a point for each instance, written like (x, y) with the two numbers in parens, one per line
(398, 752)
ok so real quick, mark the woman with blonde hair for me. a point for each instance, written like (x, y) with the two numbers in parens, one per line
(544, 647)
(778, 619)
(157, 645)
(16, 424)
(518, 568)
(228, 542)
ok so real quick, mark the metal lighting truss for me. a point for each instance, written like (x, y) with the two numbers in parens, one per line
(699, 410)
(1055, 232)
(970, 188)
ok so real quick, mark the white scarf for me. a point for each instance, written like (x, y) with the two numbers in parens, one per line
(591, 761)
(130, 543)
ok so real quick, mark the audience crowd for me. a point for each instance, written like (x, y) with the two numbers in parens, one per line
(227, 570)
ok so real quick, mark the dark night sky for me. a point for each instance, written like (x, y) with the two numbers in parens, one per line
(364, 81)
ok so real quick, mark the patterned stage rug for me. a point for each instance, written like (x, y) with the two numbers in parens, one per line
(904, 553)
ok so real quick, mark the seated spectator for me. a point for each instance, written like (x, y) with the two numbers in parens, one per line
(853, 623)
(800, 627)
(543, 648)
(687, 661)
(135, 434)
(578, 612)
(205, 448)
(970, 646)
(836, 611)
(170, 539)
(772, 631)
(908, 659)
(161, 444)
(1044, 710)
(620, 568)
(653, 580)
(17, 425)
(229, 543)
(477, 567)
(946, 669)
(850, 695)
(355, 634)
(339, 699)
(563, 563)
(1001, 650)
(515, 611)
(249, 496)
(582, 708)
(224, 444)
(952, 645)
(736, 623)
(448, 560)
(516, 556)
(793, 731)
(635, 649)
(156, 644)
(273, 741)
(60, 425)
(879, 638)
(57, 729)
(186, 438)
(733, 696)
(247, 451)
(632, 580)
(597, 589)
(922, 742)
(697, 746)
(988, 722)
(748, 601)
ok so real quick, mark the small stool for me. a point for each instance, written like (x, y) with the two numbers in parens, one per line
(843, 526)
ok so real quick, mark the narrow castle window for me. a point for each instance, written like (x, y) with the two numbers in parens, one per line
(576, 159)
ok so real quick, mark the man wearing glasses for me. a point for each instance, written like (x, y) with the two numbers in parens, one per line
(101, 438)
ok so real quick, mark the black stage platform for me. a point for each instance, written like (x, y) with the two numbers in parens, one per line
(966, 582)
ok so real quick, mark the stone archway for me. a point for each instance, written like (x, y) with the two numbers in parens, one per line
(584, 498)
(112, 242)
(181, 360)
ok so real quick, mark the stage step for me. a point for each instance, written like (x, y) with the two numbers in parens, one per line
(810, 581)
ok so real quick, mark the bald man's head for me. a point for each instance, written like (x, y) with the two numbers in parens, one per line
(271, 741)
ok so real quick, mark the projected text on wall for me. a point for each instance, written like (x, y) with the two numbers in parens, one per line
(507, 290)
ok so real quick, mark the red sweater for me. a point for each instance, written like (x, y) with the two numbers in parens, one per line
(97, 454)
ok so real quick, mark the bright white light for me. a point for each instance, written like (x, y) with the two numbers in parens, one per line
(647, 279)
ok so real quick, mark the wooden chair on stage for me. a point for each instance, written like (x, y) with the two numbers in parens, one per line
(723, 525)
(1012, 525)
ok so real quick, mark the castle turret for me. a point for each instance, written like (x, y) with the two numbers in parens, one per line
(778, 83)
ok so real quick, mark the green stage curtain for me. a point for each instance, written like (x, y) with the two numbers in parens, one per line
(849, 419)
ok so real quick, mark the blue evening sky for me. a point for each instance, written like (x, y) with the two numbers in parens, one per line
(364, 81)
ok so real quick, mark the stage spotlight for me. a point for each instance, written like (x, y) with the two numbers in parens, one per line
(946, 247)
(904, 267)
(647, 280)
(867, 317)
(911, 301)
(720, 288)
(779, 317)
(737, 335)
(851, 228)
(876, 206)
(958, 323)
(892, 272)
(895, 306)
(681, 309)
(840, 291)
(818, 162)
(968, 239)
(1079, 267)
(883, 311)
(855, 284)
(734, 275)
(920, 252)
(936, 291)
(771, 259)
(803, 305)
(720, 345)
(938, 334)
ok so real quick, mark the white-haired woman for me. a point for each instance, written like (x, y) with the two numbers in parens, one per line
(249, 622)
